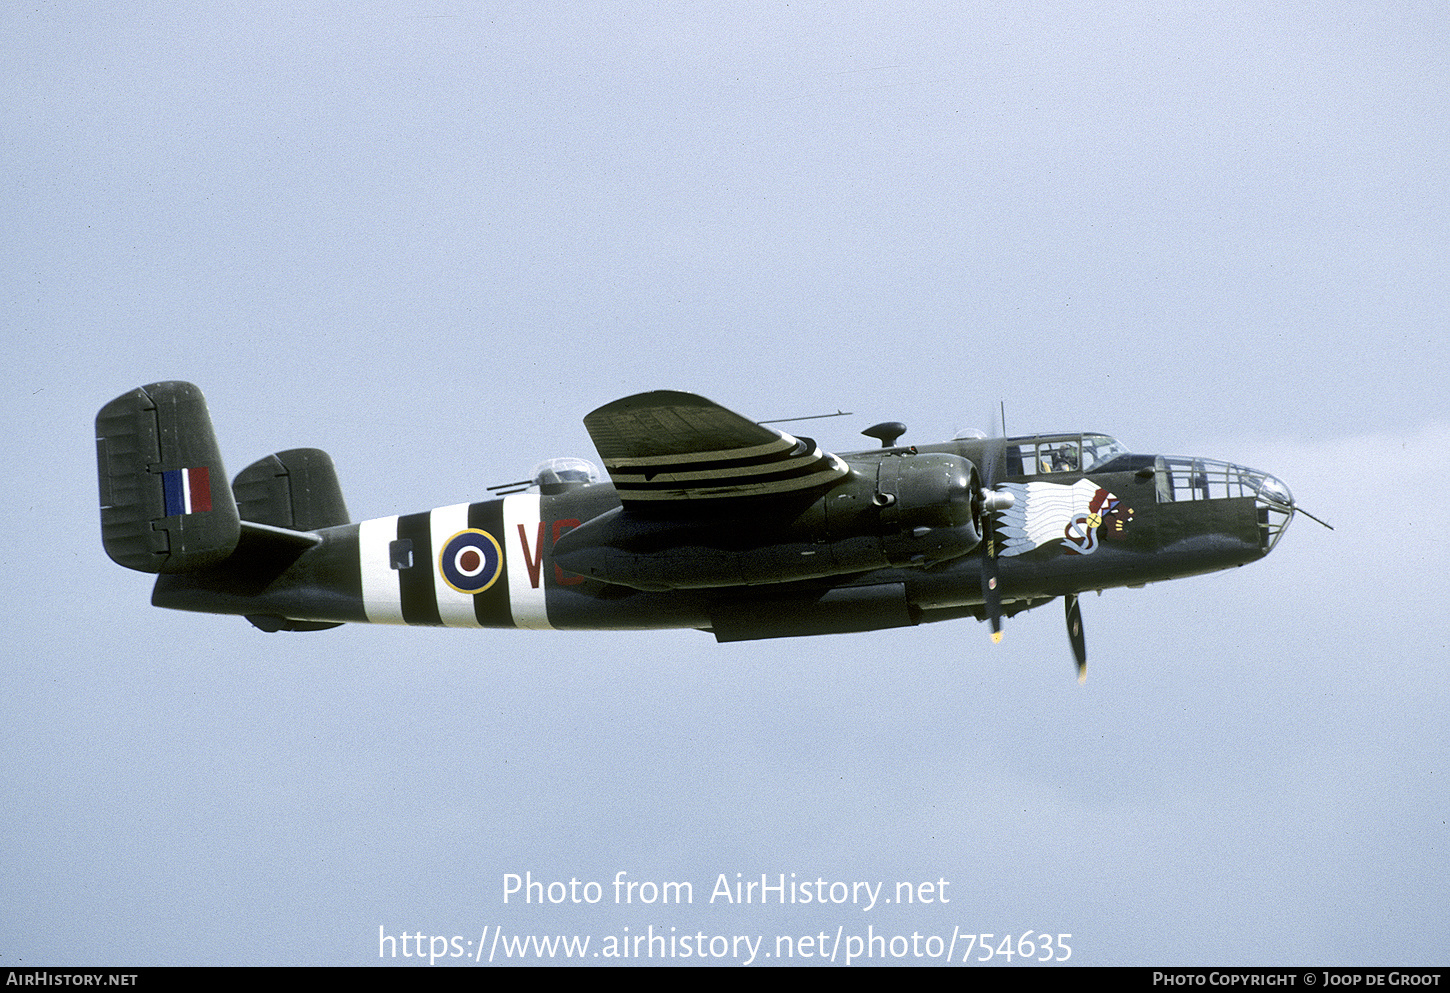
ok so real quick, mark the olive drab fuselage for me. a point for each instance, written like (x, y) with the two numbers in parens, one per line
(494, 563)
(707, 520)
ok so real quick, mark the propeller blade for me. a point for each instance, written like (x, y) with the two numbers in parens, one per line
(1075, 635)
(994, 454)
(992, 597)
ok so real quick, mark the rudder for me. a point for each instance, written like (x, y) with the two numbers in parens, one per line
(165, 503)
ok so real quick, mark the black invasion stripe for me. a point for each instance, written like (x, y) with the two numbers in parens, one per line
(491, 607)
(757, 469)
(415, 585)
(348, 568)
(742, 476)
(699, 492)
(713, 465)
(818, 468)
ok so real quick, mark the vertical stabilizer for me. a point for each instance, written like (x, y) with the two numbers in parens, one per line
(165, 503)
(296, 489)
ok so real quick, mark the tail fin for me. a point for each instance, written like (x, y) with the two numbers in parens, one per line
(165, 503)
(296, 489)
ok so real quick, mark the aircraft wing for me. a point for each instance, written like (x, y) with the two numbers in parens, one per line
(663, 449)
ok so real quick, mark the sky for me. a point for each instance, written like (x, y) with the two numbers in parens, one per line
(429, 238)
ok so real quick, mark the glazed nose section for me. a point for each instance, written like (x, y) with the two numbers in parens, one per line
(1272, 490)
(1275, 507)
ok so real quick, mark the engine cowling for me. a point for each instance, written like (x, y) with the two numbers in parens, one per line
(931, 507)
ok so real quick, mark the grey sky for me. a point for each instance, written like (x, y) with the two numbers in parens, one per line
(430, 239)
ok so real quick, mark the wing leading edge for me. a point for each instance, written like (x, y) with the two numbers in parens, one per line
(666, 448)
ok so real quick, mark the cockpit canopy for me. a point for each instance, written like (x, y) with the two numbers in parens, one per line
(1060, 453)
(557, 475)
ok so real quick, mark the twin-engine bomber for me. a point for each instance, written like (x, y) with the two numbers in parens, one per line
(708, 520)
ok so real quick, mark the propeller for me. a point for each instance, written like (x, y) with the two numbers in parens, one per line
(1075, 635)
(994, 458)
(994, 454)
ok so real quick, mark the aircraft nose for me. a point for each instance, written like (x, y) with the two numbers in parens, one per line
(1275, 505)
(1273, 490)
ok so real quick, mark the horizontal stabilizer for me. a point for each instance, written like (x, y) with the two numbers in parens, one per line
(296, 489)
(165, 503)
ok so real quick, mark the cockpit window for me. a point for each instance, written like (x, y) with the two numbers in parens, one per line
(1098, 449)
(1061, 453)
(1044, 456)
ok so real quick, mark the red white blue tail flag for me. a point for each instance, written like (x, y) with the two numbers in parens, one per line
(188, 491)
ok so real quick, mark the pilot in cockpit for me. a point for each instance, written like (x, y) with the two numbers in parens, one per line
(1063, 459)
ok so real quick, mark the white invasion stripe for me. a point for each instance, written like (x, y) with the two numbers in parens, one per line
(382, 600)
(724, 487)
(526, 600)
(455, 609)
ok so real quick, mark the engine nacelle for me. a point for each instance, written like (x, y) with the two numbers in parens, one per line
(934, 491)
(902, 509)
(929, 509)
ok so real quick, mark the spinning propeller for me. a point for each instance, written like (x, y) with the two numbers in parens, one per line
(994, 457)
(994, 453)
(1075, 635)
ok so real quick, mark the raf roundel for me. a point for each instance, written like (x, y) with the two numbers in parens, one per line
(471, 561)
